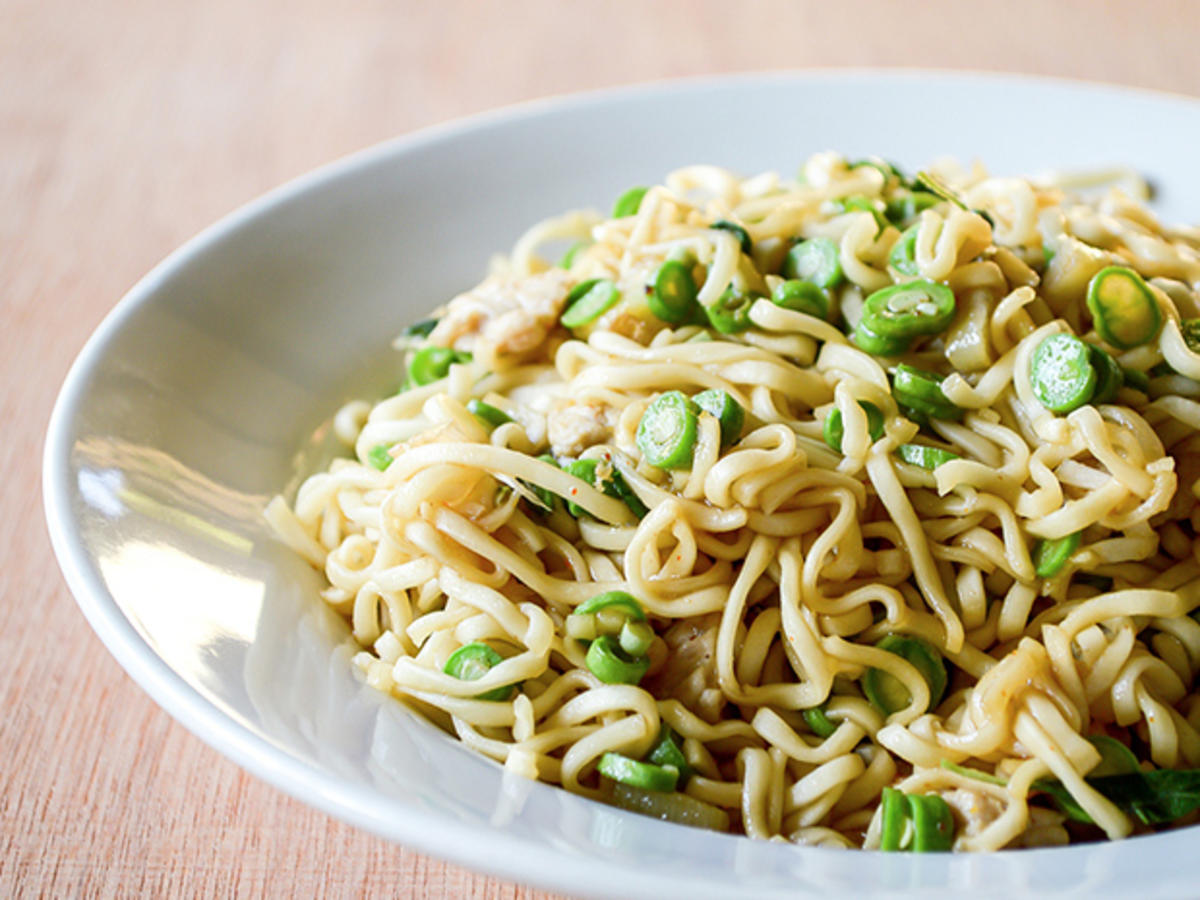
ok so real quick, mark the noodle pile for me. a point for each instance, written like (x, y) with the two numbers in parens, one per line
(771, 568)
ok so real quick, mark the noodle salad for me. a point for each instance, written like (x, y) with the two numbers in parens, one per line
(852, 510)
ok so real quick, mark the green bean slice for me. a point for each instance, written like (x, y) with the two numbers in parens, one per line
(933, 823)
(925, 456)
(909, 205)
(471, 662)
(676, 807)
(817, 260)
(613, 486)
(488, 414)
(731, 311)
(727, 411)
(607, 661)
(834, 429)
(1136, 379)
(903, 257)
(816, 718)
(1049, 556)
(568, 258)
(667, 752)
(420, 329)
(629, 202)
(1110, 377)
(379, 456)
(588, 301)
(1061, 373)
(895, 822)
(910, 310)
(666, 434)
(430, 364)
(867, 339)
(737, 231)
(801, 296)
(635, 773)
(672, 296)
(920, 390)
(1123, 309)
(1190, 329)
(886, 692)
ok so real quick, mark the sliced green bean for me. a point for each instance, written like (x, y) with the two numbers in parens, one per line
(672, 296)
(666, 434)
(1123, 309)
(925, 456)
(430, 364)
(667, 752)
(895, 821)
(614, 486)
(1110, 377)
(903, 257)
(629, 202)
(471, 662)
(488, 414)
(922, 391)
(737, 231)
(867, 339)
(727, 411)
(1049, 556)
(834, 429)
(909, 310)
(933, 823)
(886, 692)
(1061, 373)
(820, 723)
(635, 773)
(801, 296)
(730, 313)
(588, 301)
(607, 661)
(568, 258)
(380, 457)
(420, 329)
(1136, 379)
(909, 205)
(817, 260)
(1190, 329)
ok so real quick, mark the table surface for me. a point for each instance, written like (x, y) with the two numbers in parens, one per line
(128, 125)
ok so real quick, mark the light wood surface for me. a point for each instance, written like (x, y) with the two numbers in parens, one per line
(125, 127)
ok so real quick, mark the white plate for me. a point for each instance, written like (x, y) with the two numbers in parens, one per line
(209, 388)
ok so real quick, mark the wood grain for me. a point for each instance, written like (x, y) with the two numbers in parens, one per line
(125, 127)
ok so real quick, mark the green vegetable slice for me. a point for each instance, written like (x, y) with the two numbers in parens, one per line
(908, 205)
(731, 311)
(895, 820)
(673, 807)
(922, 391)
(737, 231)
(430, 364)
(816, 260)
(646, 776)
(1123, 309)
(1190, 329)
(834, 430)
(379, 457)
(613, 486)
(903, 257)
(667, 752)
(666, 434)
(568, 258)
(1049, 557)
(607, 661)
(886, 692)
(1110, 377)
(801, 296)
(488, 414)
(620, 601)
(420, 329)
(909, 310)
(1136, 379)
(933, 823)
(877, 344)
(724, 409)
(816, 718)
(672, 297)
(588, 301)
(1061, 373)
(629, 202)
(925, 456)
(471, 662)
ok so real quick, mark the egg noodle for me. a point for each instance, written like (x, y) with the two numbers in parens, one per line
(771, 567)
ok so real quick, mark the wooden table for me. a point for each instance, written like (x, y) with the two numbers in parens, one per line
(125, 127)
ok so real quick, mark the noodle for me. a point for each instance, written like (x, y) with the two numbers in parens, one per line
(773, 569)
